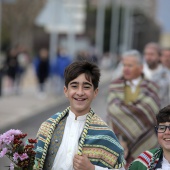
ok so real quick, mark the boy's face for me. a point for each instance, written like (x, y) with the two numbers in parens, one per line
(80, 93)
(164, 138)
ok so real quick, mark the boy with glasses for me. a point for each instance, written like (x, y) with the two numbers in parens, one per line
(157, 158)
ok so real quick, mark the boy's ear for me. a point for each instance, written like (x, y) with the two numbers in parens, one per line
(96, 92)
(65, 91)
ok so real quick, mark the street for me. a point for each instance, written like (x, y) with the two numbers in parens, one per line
(31, 125)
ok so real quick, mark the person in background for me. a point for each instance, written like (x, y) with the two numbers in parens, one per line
(41, 65)
(165, 58)
(157, 158)
(58, 65)
(23, 60)
(155, 71)
(106, 61)
(77, 138)
(83, 55)
(11, 67)
(131, 105)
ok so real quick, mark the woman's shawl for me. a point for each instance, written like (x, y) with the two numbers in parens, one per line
(135, 120)
(148, 160)
(97, 142)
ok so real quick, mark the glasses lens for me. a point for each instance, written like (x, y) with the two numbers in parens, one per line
(161, 128)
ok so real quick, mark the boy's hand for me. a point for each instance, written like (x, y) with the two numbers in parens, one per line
(82, 163)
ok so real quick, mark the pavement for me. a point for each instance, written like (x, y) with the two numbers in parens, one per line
(17, 107)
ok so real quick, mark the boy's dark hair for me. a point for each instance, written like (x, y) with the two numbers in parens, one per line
(163, 115)
(91, 71)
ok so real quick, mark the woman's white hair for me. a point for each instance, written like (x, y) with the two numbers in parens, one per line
(135, 53)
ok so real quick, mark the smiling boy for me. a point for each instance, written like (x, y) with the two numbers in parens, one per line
(77, 138)
(158, 158)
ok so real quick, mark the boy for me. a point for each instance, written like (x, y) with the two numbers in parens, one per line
(77, 138)
(158, 158)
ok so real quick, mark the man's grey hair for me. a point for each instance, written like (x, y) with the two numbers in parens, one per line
(135, 53)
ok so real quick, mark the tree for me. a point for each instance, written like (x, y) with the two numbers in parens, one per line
(18, 21)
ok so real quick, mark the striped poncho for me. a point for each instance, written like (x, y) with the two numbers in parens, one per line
(134, 120)
(97, 142)
(148, 160)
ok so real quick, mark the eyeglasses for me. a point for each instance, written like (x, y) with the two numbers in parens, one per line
(161, 128)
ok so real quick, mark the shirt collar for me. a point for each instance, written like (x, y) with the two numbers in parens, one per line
(79, 118)
(134, 82)
(165, 161)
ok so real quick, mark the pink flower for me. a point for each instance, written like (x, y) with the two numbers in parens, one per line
(3, 152)
(11, 166)
(8, 139)
(8, 136)
(13, 132)
(23, 156)
(15, 156)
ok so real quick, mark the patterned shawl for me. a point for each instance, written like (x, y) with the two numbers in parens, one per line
(97, 141)
(148, 160)
(135, 120)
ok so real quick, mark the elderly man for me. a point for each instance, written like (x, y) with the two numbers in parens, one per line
(156, 72)
(132, 104)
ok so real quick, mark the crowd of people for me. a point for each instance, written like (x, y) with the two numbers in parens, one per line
(135, 137)
(17, 60)
(136, 134)
(138, 114)
(139, 88)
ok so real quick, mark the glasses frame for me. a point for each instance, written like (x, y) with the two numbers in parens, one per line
(156, 128)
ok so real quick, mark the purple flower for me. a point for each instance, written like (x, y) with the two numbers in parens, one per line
(13, 132)
(8, 136)
(8, 139)
(23, 156)
(11, 166)
(3, 152)
(15, 156)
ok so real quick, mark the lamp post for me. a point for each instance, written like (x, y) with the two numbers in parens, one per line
(114, 26)
(100, 26)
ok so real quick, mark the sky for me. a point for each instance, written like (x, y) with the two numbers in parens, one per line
(163, 14)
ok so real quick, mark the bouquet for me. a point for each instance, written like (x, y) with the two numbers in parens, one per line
(21, 153)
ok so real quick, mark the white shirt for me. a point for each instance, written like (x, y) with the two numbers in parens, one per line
(69, 144)
(165, 164)
(133, 83)
(150, 73)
